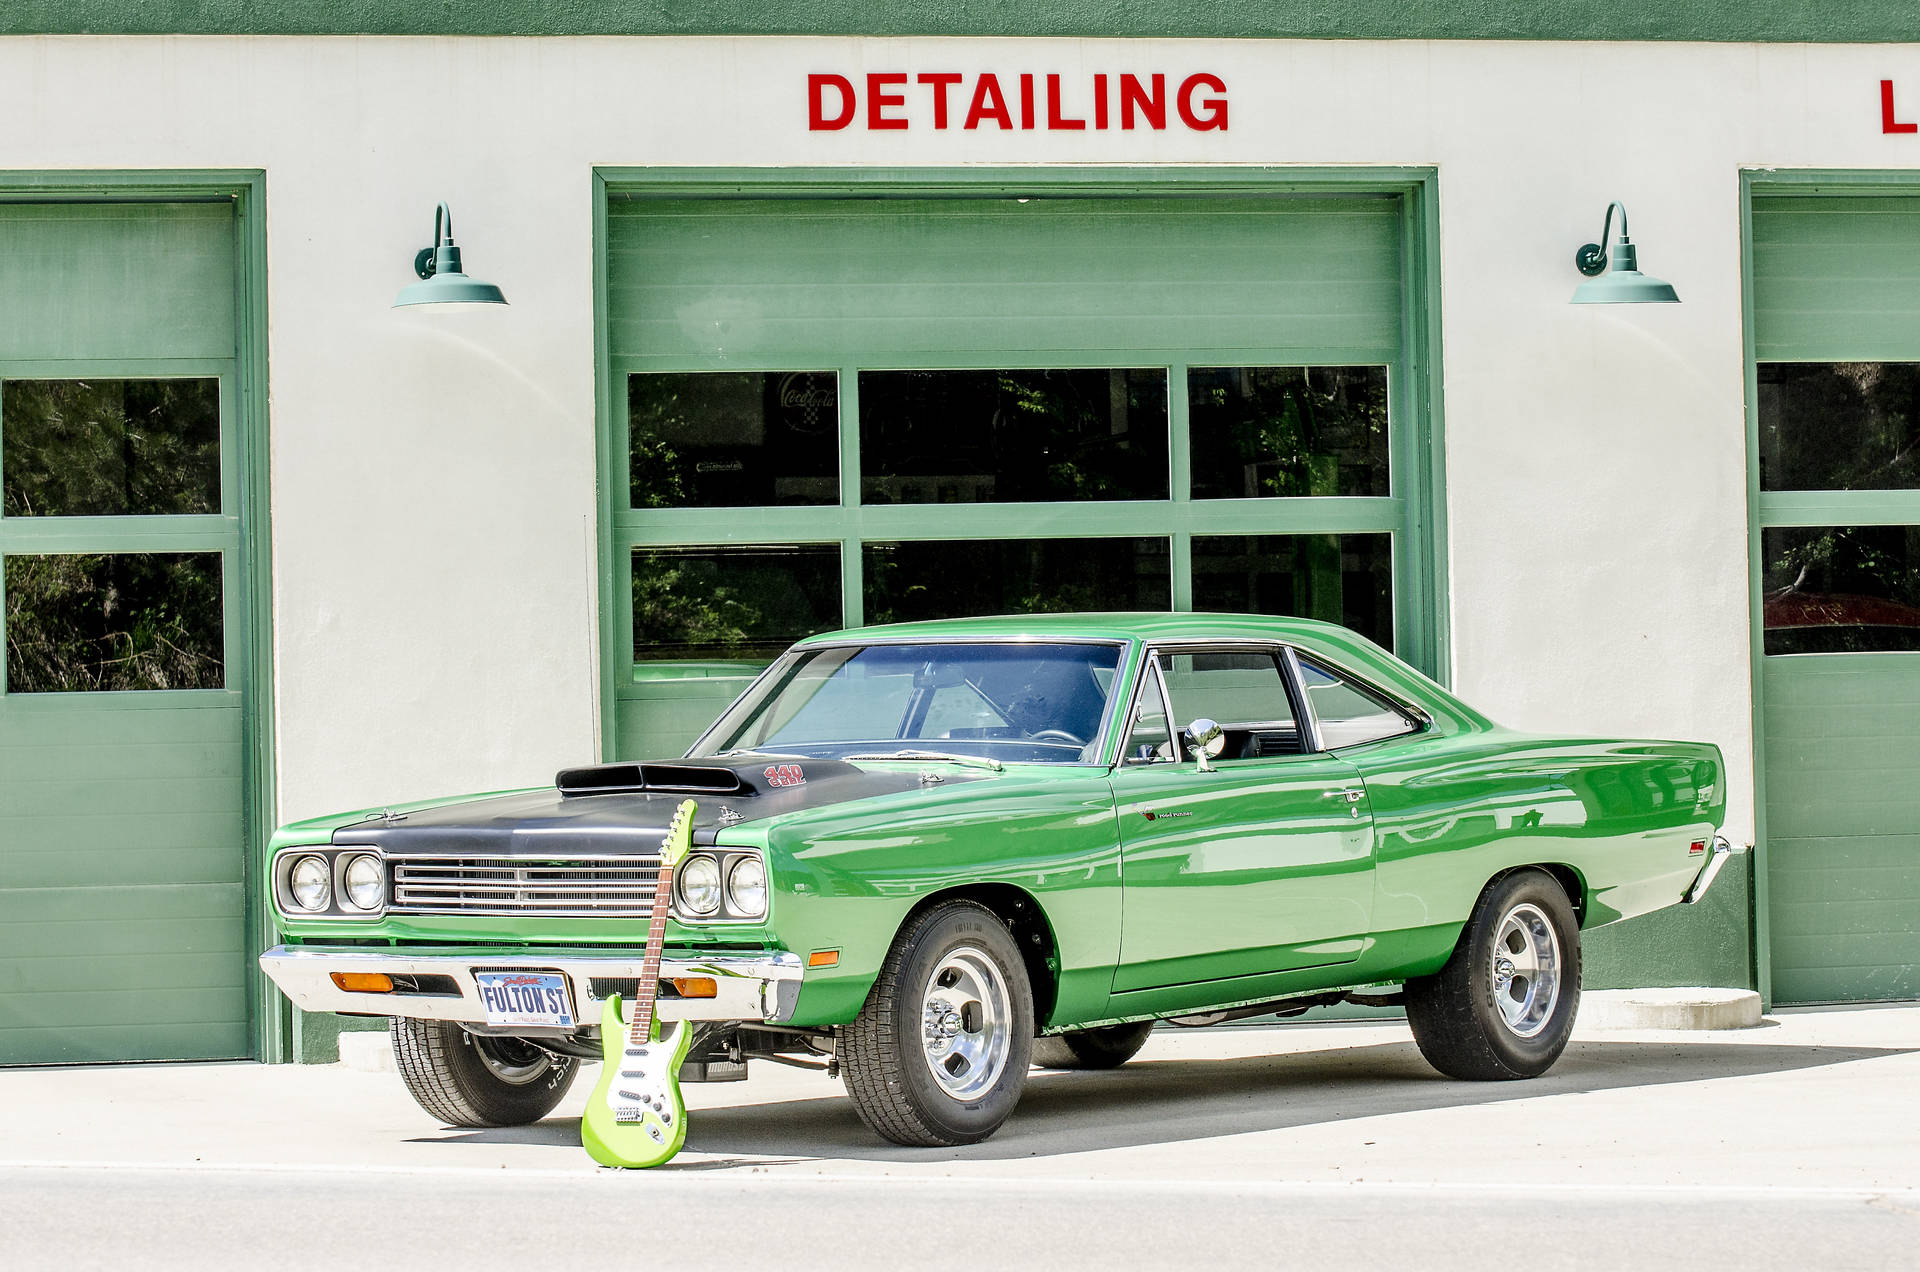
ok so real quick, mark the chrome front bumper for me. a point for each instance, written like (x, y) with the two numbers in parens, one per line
(1717, 853)
(759, 988)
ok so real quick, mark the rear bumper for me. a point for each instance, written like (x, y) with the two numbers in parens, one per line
(1717, 854)
(761, 988)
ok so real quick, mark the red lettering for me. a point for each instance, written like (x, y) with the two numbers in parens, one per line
(1055, 120)
(1099, 101)
(1887, 124)
(817, 119)
(878, 101)
(988, 103)
(1153, 108)
(940, 82)
(1026, 101)
(1214, 109)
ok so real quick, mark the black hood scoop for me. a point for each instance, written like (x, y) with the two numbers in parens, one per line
(746, 780)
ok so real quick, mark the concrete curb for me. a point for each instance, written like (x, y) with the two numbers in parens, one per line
(1690, 1007)
(368, 1051)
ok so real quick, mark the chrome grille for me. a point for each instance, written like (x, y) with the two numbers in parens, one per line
(597, 886)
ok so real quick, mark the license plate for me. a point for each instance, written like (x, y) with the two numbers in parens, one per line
(526, 998)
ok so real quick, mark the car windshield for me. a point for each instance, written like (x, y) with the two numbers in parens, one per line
(1019, 702)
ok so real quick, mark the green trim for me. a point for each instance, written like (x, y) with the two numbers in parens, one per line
(1774, 21)
(246, 495)
(1762, 926)
(1421, 619)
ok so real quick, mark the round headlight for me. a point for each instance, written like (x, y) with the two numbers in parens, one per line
(311, 883)
(747, 888)
(699, 882)
(366, 882)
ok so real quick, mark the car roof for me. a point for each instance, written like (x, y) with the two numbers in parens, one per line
(1109, 626)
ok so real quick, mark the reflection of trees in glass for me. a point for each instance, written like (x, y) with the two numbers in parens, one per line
(1839, 425)
(908, 582)
(131, 620)
(730, 439)
(1338, 578)
(731, 603)
(110, 447)
(1288, 431)
(1833, 588)
(1007, 436)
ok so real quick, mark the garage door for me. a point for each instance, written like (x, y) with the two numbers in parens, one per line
(1836, 331)
(122, 901)
(830, 412)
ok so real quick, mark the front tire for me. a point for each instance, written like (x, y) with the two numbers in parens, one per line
(939, 1053)
(1104, 1048)
(467, 1079)
(1503, 1006)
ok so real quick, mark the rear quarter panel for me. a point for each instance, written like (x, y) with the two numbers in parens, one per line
(1453, 810)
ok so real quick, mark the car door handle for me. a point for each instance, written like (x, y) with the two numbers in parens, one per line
(1352, 794)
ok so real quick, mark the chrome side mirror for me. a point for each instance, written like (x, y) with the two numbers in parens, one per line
(1206, 739)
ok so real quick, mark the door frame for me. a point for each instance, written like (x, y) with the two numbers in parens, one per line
(1422, 610)
(269, 1013)
(1775, 183)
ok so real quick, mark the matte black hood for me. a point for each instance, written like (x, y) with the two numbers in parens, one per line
(626, 807)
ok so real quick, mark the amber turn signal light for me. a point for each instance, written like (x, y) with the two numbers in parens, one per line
(695, 987)
(364, 982)
(823, 958)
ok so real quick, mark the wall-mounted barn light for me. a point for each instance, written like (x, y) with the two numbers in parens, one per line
(441, 281)
(1623, 284)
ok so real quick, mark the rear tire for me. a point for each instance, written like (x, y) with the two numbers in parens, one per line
(1503, 1006)
(1108, 1047)
(465, 1079)
(939, 1053)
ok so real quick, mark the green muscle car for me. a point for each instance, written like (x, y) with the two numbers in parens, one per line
(929, 856)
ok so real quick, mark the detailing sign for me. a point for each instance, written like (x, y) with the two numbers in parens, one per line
(894, 101)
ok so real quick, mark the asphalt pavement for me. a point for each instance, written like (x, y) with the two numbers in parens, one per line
(1792, 1145)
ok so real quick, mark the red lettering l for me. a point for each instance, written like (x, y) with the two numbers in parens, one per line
(1887, 122)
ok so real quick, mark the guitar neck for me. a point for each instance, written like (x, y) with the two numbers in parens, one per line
(647, 991)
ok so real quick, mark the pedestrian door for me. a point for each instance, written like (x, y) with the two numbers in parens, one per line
(122, 897)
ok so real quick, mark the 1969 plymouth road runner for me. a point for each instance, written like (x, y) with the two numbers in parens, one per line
(929, 856)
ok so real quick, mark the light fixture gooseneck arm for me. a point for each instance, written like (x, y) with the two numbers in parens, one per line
(427, 262)
(1591, 259)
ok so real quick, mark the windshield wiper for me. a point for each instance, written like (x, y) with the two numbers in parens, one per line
(971, 761)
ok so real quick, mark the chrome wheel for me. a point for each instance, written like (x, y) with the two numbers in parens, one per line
(509, 1059)
(966, 1014)
(1525, 967)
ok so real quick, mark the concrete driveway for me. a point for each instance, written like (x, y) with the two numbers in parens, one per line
(1792, 1145)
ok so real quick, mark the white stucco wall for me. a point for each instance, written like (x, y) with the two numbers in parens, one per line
(433, 474)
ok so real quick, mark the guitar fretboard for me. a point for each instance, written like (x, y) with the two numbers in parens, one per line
(640, 1028)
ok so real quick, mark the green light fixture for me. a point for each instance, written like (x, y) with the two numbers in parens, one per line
(441, 281)
(1624, 284)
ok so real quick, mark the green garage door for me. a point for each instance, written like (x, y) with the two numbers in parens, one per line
(1836, 335)
(122, 902)
(828, 412)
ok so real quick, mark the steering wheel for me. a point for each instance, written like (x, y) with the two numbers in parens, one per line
(1056, 735)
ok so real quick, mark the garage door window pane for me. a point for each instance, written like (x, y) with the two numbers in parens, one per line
(1839, 425)
(1011, 436)
(1292, 431)
(733, 439)
(728, 603)
(1841, 589)
(1340, 578)
(910, 581)
(128, 620)
(101, 448)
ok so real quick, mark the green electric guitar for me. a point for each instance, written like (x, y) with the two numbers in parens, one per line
(635, 1116)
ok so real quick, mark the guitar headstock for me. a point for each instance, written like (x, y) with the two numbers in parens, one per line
(679, 835)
